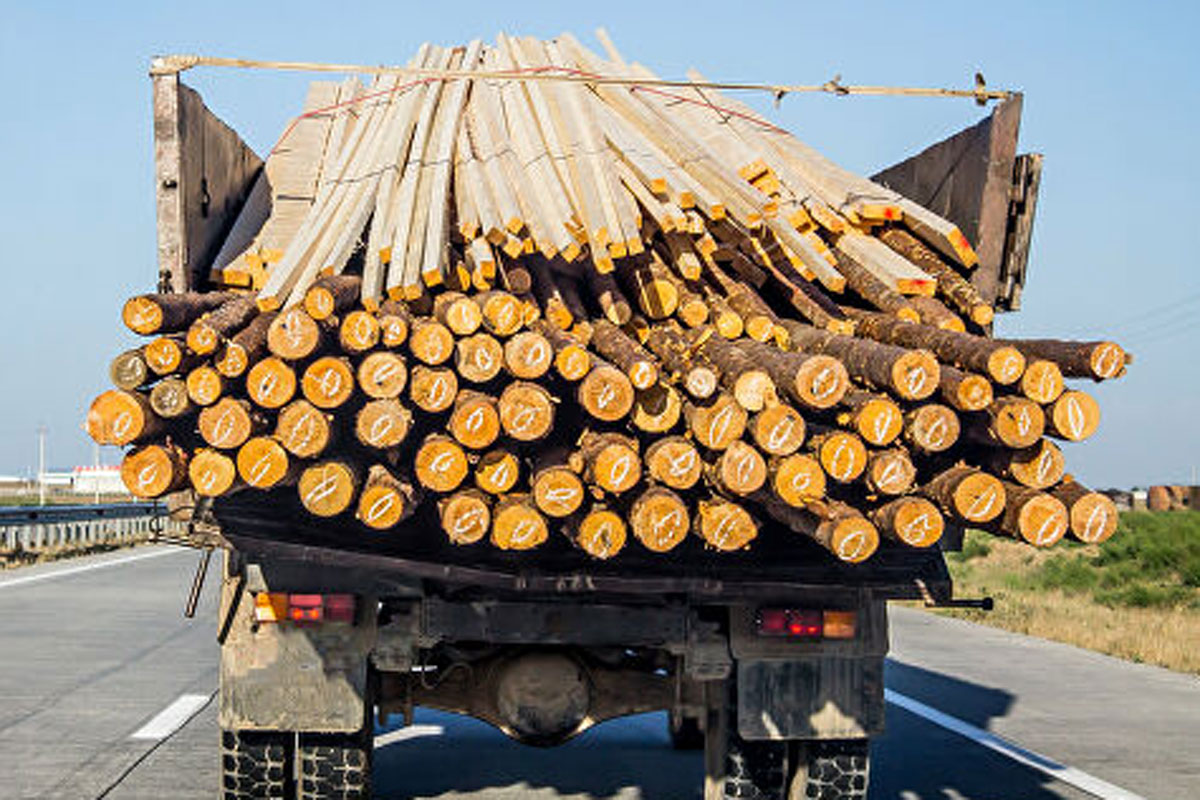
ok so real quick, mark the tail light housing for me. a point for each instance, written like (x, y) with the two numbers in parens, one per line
(806, 623)
(304, 609)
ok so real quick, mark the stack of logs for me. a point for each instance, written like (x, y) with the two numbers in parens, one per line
(694, 352)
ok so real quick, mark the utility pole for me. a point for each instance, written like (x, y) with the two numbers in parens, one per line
(42, 431)
(96, 470)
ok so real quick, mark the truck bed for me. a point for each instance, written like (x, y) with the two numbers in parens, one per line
(779, 562)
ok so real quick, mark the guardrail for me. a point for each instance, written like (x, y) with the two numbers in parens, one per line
(35, 529)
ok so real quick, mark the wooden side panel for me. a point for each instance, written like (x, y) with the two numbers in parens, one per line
(203, 174)
(968, 179)
(1027, 180)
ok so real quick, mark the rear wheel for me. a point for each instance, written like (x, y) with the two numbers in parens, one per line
(334, 766)
(255, 765)
(834, 770)
(754, 770)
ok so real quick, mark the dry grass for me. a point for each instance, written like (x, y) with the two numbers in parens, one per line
(1073, 594)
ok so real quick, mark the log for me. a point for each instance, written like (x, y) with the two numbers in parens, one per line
(304, 430)
(526, 411)
(441, 464)
(497, 471)
(475, 420)
(778, 430)
(1010, 421)
(386, 500)
(724, 525)
(999, 360)
(263, 464)
(612, 343)
(549, 296)
(271, 383)
(382, 424)
(328, 488)
(430, 342)
(913, 521)
(950, 283)
(655, 290)
(964, 391)
(1074, 416)
(165, 355)
(556, 488)
(1038, 466)
(1093, 516)
(332, 294)
(674, 350)
(674, 462)
(528, 355)
(796, 479)
(727, 322)
(890, 472)
(395, 322)
(601, 533)
(205, 386)
(206, 333)
(148, 314)
(738, 470)
(502, 313)
(816, 382)
(875, 291)
(328, 382)
(750, 384)
(128, 370)
(119, 418)
(228, 423)
(212, 473)
(294, 335)
(843, 531)
(931, 428)
(608, 461)
(478, 358)
(659, 519)
(1042, 381)
(458, 312)
(657, 409)
(933, 313)
(432, 390)
(841, 454)
(382, 375)
(154, 470)
(911, 374)
(1033, 516)
(359, 332)
(606, 392)
(517, 524)
(608, 294)
(465, 516)
(571, 358)
(877, 419)
(718, 424)
(169, 398)
(248, 346)
(966, 493)
(1096, 360)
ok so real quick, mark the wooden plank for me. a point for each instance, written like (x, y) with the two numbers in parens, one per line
(900, 274)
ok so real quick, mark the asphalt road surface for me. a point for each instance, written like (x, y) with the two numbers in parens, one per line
(99, 667)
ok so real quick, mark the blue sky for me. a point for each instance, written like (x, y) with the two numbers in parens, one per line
(1112, 98)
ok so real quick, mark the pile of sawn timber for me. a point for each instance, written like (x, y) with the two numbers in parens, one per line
(601, 308)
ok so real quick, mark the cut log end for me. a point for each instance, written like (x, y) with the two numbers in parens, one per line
(659, 519)
(359, 331)
(226, 424)
(154, 470)
(915, 375)
(382, 424)
(528, 355)
(263, 463)
(843, 456)
(432, 390)
(674, 462)
(526, 411)
(465, 516)
(142, 315)
(479, 358)
(606, 393)
(211, 473)
(1074, 416)
(382, 375)
(719, 424)
(822, 381)
(1093, 518)
(1017, 422)
(741, 469)
(475, 421)
(1108, 360)
(497, 472)
(271, 383)
(601, 534)
(293, 335)
(431, 343)
(1042, 381)
(572, 362)
(204, 386)
(778, 430)
(725, 525)
(978, 497)
(557, 491)
(517, 524)
(1006, 365)
(851, 538)
(890, 472)
(798, 479)
(441, 465)
(303, 429)
(932, 428)
(879, 421)
(328, 382)
(912, 520)
(119, 418)
(1041, 520)
(971, 393)
(328, 488)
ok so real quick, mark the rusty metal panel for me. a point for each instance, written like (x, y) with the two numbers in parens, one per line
(553, 623)
(203, 174)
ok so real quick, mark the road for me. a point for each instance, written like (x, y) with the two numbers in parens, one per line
(98, 664)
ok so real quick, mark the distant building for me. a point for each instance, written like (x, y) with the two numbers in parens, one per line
(90, 480)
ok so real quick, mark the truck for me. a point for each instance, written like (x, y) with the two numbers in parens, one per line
(771, 660)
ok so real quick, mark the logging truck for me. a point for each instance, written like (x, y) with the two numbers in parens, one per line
(769, 660)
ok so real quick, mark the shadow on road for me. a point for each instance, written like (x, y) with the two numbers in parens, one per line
(917, 760)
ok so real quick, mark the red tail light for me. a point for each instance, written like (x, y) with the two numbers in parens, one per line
(304, 608)
(805, 623)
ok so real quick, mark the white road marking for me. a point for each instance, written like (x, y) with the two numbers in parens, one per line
(173, 717)
(1048, 766)
(62, 573)
(409, 732)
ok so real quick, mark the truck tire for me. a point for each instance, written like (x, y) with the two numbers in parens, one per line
(255, 765)
(835, 770)
(686, 733)
(755, 770)
(334, 766)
